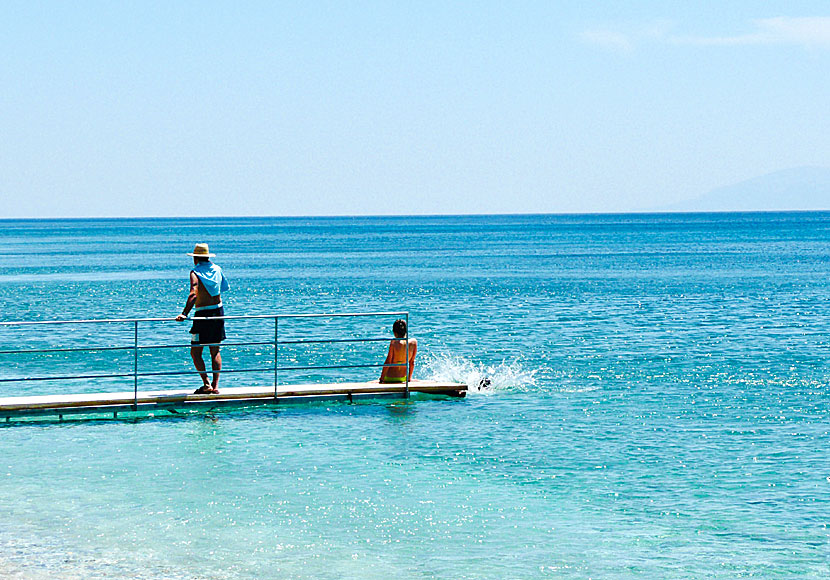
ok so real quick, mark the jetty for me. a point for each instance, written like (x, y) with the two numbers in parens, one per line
(178, 400)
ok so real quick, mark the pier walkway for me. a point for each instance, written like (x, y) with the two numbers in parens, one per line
(148, 400)
(176, 400)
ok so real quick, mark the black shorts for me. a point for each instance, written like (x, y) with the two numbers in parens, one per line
(205, 330)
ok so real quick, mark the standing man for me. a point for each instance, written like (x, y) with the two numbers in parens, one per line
(206, 284)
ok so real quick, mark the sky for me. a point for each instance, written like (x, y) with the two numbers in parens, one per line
(350, 108)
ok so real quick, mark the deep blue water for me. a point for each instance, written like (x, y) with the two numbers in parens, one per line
(659, 406)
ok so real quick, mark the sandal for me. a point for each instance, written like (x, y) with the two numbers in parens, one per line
(203, 391)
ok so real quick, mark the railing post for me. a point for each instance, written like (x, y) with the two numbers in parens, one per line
(135, 365)
(276, 353)
(406, 316)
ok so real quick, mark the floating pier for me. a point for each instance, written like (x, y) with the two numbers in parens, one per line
(176, 400)
(180, 400)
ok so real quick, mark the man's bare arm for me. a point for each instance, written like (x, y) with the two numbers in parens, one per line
(191, 298)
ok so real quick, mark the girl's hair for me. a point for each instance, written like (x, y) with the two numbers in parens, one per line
(399, 328)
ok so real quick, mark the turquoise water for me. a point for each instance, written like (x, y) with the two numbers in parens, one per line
(659, 405)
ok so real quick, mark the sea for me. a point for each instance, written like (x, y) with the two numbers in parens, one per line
(657, 402)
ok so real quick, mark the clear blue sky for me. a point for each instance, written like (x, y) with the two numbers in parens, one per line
(309, 108)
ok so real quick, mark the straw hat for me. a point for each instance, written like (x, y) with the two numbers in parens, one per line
(201, 251)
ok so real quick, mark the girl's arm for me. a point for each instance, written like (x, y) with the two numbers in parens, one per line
(413, 348)
(386, 362)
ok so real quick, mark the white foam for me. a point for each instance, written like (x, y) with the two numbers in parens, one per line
(506, 376)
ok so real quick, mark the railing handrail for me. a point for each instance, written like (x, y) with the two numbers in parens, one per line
(188, 345)
(236, 317)
(196, 372)
(136, 347)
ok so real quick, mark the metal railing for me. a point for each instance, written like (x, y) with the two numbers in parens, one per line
(136, 347)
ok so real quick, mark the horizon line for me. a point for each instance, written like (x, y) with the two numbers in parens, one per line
(425, 215)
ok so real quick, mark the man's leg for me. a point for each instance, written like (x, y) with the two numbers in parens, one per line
(196, 354)
(216, 365)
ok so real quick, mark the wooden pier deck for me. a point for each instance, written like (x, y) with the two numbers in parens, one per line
(148, 401)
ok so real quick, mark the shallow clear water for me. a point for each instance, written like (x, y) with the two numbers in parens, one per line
(659, 404)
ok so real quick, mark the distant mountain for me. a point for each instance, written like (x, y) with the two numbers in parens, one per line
(799, 188)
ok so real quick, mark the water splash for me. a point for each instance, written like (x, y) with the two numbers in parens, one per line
(479, 377)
